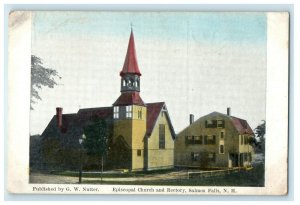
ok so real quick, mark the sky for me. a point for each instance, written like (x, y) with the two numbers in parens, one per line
(196, 62)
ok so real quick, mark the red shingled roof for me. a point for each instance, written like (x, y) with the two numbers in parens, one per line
(84, 115)
(130, 64)
(153, 111)
(241, 125)
(67, 119)
(129, 98)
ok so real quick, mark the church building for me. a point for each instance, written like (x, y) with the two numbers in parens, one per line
(141, 134)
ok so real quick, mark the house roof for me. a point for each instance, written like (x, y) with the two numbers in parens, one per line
(241, 125)
(130, 65)
(90, 113)
(153, 111)
(129, 98)
(67, 120)
(72, 123)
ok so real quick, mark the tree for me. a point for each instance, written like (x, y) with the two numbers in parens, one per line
(260, 132)
(40, 76)
(96, 142)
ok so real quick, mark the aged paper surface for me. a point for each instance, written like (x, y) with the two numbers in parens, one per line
(236, 60)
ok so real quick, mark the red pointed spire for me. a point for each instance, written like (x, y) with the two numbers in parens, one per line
(130, 64)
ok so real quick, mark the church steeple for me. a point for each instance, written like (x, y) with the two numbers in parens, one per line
(130, 65)
(130, 74)
(130, 78)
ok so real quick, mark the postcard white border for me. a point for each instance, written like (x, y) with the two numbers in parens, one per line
(277, 113)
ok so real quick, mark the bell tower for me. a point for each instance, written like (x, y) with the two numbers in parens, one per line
(130, 74)
(129, 115)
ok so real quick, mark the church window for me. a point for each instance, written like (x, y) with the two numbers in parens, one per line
(162, 136)
(139, 114)
(124, 83)
(139, 152)
(129, 111)
(130, 83)
(116, 112)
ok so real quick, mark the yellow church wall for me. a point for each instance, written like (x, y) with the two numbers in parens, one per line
(123, 128)
(160, 158)
(138, 135)
(133, 131)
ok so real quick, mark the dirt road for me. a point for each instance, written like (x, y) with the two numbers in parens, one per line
(41, 178)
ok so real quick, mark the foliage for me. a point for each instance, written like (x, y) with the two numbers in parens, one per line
(40, 77)
(260, 132)
(96, 142)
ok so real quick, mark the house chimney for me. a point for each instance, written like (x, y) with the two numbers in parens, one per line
(228, 111)
(191, 119)
(59, 117)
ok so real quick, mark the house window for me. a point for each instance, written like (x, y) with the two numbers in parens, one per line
(189, 139)
(116, 112)
(212, 157)
(139, 152)
(242, 139)
(221, 135)
(129, 111)
(221, 149)
(210, 123)
(161, 136)
(198, 140)
(221, 124)
(195, 156)
(209, 139)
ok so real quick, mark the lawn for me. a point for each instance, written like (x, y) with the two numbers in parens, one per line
(111, 175)
(251, 178)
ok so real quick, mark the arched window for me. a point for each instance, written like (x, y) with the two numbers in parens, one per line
(129, 83)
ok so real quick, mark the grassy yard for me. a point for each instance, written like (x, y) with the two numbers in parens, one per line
(251, 178)
(112, 175)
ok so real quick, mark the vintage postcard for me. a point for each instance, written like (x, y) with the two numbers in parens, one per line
(190, 103)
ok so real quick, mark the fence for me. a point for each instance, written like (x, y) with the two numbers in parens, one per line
(212, 173)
